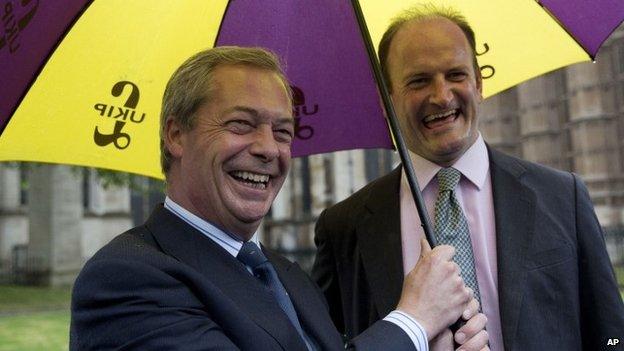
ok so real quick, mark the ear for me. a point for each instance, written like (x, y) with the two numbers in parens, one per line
(173, 136)
(479, 80)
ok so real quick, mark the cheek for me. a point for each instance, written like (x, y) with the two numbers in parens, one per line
(284, 158)
(413, 107)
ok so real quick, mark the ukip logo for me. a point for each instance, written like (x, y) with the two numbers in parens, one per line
(487, 71)
(121, 115)
(14, 21)
(300, 108)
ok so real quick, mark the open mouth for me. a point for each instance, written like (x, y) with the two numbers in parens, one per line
(437, 119)
(254, 180)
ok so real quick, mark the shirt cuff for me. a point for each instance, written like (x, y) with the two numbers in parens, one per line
(411, 327)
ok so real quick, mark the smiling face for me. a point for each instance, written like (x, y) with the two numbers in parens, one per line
(230, 166)
(435, 89)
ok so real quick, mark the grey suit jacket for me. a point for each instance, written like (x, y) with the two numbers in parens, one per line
(166, 286)
(557, 289)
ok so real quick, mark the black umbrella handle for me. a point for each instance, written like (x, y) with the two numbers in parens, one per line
(406, 160)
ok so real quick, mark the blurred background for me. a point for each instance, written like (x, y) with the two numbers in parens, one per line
(53, 218)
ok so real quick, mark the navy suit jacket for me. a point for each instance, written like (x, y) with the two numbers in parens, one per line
(166, 286)
(557, 289)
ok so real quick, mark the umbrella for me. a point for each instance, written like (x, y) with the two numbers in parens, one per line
(82, 80)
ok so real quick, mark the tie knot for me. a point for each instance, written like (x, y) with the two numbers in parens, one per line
(448, 178)
(251, 255)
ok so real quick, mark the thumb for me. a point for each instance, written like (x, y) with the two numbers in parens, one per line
(424, 246)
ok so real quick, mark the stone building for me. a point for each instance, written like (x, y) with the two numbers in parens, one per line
(52, 218)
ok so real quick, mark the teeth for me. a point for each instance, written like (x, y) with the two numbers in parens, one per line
(439, 115)
(255, 177)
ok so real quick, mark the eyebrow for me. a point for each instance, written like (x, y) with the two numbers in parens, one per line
(256, 114)
(417, 74)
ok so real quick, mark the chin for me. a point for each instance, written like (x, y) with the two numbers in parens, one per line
(252, 215)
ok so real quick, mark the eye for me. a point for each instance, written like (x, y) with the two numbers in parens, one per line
(240, 126)
(283, 135)
(457, 76)
(417, 82)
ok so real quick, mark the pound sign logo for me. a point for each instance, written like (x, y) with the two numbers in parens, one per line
(303, 132)
(120, 139)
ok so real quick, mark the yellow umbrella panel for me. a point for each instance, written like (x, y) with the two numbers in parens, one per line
(97, 100)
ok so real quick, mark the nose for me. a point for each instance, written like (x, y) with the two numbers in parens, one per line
(264, 145)
(441, 94)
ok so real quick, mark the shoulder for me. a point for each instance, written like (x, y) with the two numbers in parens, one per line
(130, 258)
(530, 173)
(135, 244)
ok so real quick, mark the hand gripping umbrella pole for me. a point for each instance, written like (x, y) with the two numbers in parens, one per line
(394, 127)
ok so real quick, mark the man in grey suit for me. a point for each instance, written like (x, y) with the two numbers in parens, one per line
(193, 276)
(527, 236)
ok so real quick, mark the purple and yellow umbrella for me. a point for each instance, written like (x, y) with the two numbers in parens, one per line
(81, 81)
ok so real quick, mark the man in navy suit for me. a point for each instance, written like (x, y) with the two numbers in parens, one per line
(533, 241)
(193, 276)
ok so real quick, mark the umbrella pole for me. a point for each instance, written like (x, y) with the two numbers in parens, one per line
(394, 127)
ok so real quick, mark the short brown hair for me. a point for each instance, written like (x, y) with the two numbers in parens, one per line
(420, 12)
(189, 86)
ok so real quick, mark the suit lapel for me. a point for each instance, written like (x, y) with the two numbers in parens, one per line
(311, 309)
(514, 207)
(221, 269)
(379, 239)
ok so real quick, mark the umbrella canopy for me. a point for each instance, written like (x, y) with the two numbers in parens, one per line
(82, 80)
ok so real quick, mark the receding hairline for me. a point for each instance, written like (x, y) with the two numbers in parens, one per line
(416, 22)
(416, 14)
(211, 85)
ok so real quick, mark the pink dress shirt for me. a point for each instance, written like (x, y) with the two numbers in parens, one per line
(475, 198)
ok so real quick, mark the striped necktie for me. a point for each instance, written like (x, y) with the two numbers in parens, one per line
(251, 255)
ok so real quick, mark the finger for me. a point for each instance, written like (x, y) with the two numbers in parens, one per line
(442, 341)
(472, 328)
(472, 309)
(477, 342)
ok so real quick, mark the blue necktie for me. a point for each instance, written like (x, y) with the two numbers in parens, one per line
(252, 256)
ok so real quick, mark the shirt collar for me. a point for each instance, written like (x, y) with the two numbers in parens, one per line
(228, 242)
(474, 164)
